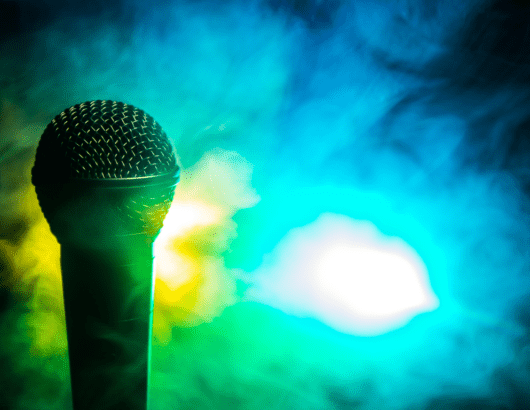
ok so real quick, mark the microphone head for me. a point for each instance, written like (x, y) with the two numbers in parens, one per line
(104, 167)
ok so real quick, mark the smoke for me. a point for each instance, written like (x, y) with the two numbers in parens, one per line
(411, 115)
(193, 283)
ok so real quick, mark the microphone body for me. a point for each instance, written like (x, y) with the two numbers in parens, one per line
(105, 175)
(108, 300)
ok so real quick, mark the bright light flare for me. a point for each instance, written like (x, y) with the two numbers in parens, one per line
(374, 288)
(193, 285)
(180, 269)
(347, 274)
(183, 217)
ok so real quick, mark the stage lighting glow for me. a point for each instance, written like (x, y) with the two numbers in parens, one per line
(183, 217)
(178, 272)
(347, 274)
(193, 285)
(375, 288)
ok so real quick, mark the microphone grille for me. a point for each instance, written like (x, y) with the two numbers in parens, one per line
(101, 140)
(103, 167)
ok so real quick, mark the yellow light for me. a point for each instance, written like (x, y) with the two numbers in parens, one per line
(192, 283)
(172, 266)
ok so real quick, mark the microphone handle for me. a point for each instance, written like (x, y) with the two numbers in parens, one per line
(109, 298)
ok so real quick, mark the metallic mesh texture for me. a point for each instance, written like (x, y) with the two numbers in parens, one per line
(92, 146)
(102, 140)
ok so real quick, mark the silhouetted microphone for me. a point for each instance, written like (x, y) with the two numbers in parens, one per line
(105, 174)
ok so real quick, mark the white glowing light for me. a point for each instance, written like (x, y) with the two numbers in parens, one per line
(183, 217)
(372, 287)
(347, 274)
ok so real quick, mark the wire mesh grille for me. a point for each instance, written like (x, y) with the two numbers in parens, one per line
(102, 142)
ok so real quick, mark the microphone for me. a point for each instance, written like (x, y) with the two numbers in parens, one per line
(105, 175)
